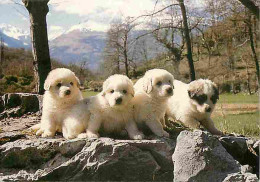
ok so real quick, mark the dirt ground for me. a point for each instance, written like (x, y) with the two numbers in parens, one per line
(225, 109)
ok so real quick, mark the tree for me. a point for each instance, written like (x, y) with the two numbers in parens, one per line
(187, 40)
(38, 10)
(119, 44)
(251, 6)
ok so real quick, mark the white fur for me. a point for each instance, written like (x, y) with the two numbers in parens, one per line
(113, 117)
(151, 99)
(57, 104)
(182, 108)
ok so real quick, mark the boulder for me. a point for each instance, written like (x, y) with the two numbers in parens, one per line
(242, 150)
(198, 156)
(87, 160)
(18, 104)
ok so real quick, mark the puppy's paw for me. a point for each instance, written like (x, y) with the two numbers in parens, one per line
(69, 136)
(165, 134)
(48, 134)
(39, 132)
(92, 135)
(82, 135)
(139, 136)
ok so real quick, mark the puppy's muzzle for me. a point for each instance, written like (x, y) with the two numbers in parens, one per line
(67, 92)
(170, 91)
(208, 109)
(119, 101)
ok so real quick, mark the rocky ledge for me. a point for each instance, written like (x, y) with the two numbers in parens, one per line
(186, 156)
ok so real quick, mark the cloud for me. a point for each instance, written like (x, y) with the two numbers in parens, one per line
(108, 7)
(55, 31)
(5, 2)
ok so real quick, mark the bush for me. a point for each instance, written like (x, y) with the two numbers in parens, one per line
(9, 79)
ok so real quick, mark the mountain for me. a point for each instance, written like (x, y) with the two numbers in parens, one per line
(78, 45)
(15, 37)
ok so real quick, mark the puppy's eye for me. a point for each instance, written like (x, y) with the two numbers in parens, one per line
(170, 81)
(71, 83)
(112, 91)
(159, 83)
(124, 91)
(59, 85)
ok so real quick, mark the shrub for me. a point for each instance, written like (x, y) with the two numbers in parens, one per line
(10, 78)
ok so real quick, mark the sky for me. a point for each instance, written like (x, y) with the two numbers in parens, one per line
(67, 14)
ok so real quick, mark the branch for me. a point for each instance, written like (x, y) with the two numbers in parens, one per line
(154, 12)
(251, 6)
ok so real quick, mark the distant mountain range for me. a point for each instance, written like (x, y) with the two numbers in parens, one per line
(74, 45)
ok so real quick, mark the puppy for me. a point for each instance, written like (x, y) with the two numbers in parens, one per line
(112, 109)
(152, 92)
(193, 103)
(61, 94)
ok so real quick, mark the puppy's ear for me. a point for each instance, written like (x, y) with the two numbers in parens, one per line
(105, 87)
(78, 82)
(195, 87)
(216, 92)
(47, 84)
(147, 84)
(131, 87)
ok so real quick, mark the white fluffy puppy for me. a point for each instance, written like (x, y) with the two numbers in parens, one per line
(193, 103)
(61, 94)
(112, 109)
(152, 92)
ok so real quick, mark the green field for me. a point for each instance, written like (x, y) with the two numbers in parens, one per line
(241, 121)
(238, 98)
(89, 93)
(246, 123)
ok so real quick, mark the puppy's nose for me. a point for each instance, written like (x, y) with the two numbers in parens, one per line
(119, 100)
(169, 90)
(67, 92)
(208, 109)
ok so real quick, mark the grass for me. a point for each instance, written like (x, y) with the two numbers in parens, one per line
(239, 98)
(246, 124)
(89, 93)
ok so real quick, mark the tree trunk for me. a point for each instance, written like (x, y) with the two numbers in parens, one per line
(251, 6)
(187, 40)
(40, 48)
(125, 56)
(251, 37)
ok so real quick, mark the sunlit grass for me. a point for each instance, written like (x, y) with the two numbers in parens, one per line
(246, 124)
(87, 93)
(239, 98)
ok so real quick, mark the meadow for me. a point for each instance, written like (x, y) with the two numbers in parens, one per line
(234, 113)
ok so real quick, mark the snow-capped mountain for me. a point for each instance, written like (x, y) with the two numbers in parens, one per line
(15, 37)
(78, 43)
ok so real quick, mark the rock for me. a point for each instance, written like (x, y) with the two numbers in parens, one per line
(239, 177)
(88, 160)
(241, 149)
(18, 104)
(256, 146)
(2, 107)
(199, 156)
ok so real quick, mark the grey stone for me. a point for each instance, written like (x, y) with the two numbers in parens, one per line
(87, 160)
(199, 156)
(239, 177)
(18, 104)
(242, 150)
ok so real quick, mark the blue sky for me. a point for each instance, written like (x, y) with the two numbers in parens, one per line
(94, 14)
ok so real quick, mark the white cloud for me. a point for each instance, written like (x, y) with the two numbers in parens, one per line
(109, 7)
(55, 31)
(5, 2)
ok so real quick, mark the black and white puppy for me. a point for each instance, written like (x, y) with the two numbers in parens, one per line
(193, 103)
